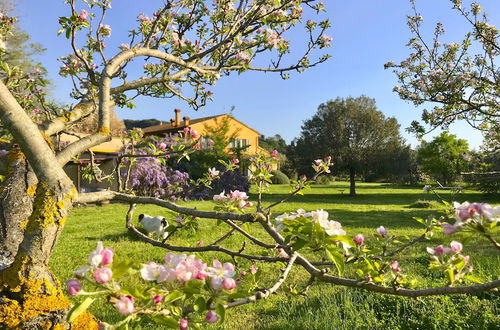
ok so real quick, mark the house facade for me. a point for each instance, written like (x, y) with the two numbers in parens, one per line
(246, 137)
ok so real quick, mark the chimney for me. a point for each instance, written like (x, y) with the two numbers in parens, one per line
(177, 117)
(186, 120)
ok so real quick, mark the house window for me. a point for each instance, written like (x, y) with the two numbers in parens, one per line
(237, 143)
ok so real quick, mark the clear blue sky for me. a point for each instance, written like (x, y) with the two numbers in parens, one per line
(367, 34)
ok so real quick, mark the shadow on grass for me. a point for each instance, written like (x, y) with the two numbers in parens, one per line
(375, 198)
(118, 237)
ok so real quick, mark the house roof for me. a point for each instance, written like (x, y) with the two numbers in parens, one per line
(168, 128)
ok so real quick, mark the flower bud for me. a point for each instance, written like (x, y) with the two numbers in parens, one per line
(125, 305)
(157, 299)
(228, 284)
(359, 239)
(211, 317)
(107, 256)
(183, 324)
(382, 231)
(73, 287)
(102, 275)
(449, 229)
(456, 246)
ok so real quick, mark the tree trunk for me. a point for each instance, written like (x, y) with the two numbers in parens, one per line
(30, 295)
(352, 187)
(16, 195)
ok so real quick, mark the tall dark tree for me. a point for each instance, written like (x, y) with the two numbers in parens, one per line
(444, 157)
(352, 131)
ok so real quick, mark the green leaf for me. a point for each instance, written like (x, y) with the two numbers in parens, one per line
(450, 275)
(473, 279)
(122, 268)
(246, 227)
(337, 259)
(173, 296)
(200, 304)
(300, 243)
(221, 311)
(80, 309)
(167, 321)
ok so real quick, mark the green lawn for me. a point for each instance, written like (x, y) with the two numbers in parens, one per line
(326, 306)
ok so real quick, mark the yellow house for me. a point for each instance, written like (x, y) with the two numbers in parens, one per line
(245, 136)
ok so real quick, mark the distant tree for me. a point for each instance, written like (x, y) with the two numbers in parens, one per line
(352, 131)
(220, 134)
(444, 157)
(141, 123)
(275, 142)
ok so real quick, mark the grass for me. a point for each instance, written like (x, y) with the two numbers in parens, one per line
(326, 306)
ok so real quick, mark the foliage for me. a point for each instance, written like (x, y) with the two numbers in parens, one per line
(459, 79)
(424, 204)
(279, 177)
(354, 131)
(140, 123)
(271, 143)
(220, 135)
(230, 181)
(444, 157)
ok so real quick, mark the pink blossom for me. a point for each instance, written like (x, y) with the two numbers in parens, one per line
(243, 273)
(456, 246)
(235, 161)
(274, 153)
(162, 146)
(212, 172)
(253, 269)
(318, 162)
(439, 250)
(394, 266)
(382, 231)
(228, 284)
(183, 324)
(211, 317)
(151, 271)
(73, 286)
(219, 272)
(303, 177)
(157, 299)
(359, 239)
(82, 17)
(125, 305)
(332, 227)
(102, 275)
(107, 256)
(449, 229)
(105, 30)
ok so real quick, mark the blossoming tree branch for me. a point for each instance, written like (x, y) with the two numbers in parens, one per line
(188, 45)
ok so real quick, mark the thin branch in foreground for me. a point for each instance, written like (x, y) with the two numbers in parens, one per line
(267, 292)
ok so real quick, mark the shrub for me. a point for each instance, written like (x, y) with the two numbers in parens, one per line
(424, 204)
(279, 177)
(325, 179)
(230, 181)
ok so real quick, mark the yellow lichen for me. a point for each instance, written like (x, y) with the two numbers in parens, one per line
(9, 313)
(85, 321)
(47, 139)
(104, 131)
(59, 327)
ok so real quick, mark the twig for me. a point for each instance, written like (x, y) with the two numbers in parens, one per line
(267, 292)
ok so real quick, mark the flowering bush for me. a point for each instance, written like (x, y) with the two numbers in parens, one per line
(181, 292)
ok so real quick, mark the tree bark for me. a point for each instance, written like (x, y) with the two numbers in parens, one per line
(352, 186)
(30, 295)
(16, 195)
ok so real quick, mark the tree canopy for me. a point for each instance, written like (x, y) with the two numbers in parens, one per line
(353, 131)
